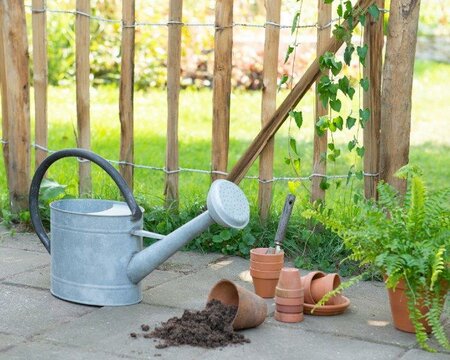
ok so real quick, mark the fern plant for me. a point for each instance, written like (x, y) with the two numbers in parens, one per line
(406, 238)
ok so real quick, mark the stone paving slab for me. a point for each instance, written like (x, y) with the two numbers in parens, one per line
(188, 262)
(191, 291)
(110, 327)
(25, 311)
(23, 241)
(9, 340)
(15, 261)
(36, 278)
(46, 350)
(416, 354)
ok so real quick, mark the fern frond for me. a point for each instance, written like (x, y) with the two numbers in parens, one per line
(415, 315)
(438, 266)
(433, 318)
(416, 213)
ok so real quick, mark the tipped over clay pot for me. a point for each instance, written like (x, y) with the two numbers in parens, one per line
(306, 280)
(323, 285)
(251, 308)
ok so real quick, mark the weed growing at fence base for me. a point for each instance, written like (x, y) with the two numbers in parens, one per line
(429, 138)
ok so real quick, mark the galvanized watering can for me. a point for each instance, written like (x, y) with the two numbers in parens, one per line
(96, 245)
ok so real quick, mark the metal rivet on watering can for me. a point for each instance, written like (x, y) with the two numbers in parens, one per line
(96, 245)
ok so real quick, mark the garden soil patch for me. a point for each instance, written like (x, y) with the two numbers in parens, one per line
(209, 328)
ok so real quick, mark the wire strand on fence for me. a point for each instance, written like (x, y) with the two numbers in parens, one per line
(210, 172)
(167, 23)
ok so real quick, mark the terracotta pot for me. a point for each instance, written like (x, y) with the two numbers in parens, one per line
(328, 310)
(306, 280)
(289, 309)
(252, 309)
(287, 293)
(266, 266)
(265, 282)
(260, 255)
(400, 312)
(288, 301)
(323, 285)
(290, 279)
(288, 318)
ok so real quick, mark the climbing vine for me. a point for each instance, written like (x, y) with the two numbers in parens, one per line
(332, 84)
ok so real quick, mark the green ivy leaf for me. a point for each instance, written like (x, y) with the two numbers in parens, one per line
(364, 116)
(293, 144)
(351, 145)
(374, 11)
(340, 32)
(297, 164)
(327, 1)
(360, 151)
(343, 84)
(324, 184)
(362, 53)
(298, 117)
(283, 81)
(350, 92)
(359, 175)
(336, 105)
(362, 19)
(339, 10)
(348, 53)
(364, 83)
(331, 146)
(336, 68)
(322, 125)
(287, 161)
(295, 22)
(338, 122)
(350, 122)
(289, 51)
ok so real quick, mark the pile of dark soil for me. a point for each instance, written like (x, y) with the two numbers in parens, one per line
(209, 328)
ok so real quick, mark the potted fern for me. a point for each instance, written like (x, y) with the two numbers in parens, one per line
(408, 240)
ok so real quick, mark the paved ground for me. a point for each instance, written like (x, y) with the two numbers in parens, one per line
(36, 325)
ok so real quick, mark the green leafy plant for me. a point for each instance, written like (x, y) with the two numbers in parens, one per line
(406, 238)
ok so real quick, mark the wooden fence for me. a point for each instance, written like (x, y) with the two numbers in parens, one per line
(14, 70)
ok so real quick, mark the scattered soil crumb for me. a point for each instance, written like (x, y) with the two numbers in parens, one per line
(209, 328)
(133, 335)
(145, 327)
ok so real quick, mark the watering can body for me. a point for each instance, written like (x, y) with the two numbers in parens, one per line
(97, 255)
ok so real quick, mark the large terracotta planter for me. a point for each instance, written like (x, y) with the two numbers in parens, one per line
(400, 312)
(265, 269)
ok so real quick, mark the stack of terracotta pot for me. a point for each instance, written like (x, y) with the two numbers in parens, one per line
(289, 296)
(316, 285)
(265, 268)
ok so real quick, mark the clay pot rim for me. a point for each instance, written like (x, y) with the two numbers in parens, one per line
(307, 279)
(266, 262)
(260, 274)
(289, 309)
(258, 253)
(289, 318)
(327, 310)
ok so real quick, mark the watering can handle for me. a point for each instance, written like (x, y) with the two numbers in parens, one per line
(136, 212)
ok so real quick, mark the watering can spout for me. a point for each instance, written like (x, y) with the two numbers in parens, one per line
(227, 206)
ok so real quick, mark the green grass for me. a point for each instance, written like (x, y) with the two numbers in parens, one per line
(430, 149)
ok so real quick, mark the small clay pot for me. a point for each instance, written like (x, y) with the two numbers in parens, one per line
(287, 293)
(288, 318)
(323, 285)
(265, 282)
(252, 309)
(261, 255)
(289, 309)
(288, 301)
(306, 280)
(266, 266)
(290, 279)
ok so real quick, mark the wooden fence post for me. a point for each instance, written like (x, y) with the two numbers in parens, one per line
(126, 109)
(373, 37)
(269, 103)
(223, 45)
(4, 102)
(39, 20)
(173, 93)
(397, 89)
(83, 102)
(320, 142)
(16, 59)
